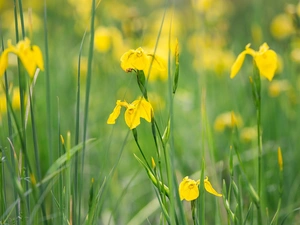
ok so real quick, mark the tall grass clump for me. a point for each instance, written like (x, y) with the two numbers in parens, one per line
(148, 112)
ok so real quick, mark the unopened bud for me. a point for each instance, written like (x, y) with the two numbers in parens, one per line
(280, 161)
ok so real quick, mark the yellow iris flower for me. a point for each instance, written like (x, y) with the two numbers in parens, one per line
(140, 60)
(136, 110)
(30, 56)
(188, 189)
(265, 59)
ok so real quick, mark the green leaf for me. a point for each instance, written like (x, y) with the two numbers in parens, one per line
(67, 156)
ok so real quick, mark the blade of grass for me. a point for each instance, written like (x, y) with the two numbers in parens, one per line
(10, 134)
(87, 97)
(36, 152)
(169, 155)
(48, 86)
(77, 122)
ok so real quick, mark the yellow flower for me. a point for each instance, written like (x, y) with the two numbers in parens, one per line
(30, 56)
(2, 104)
(278, 86)
(265, 59)
(140, 60)
(3, 61)
(282, 26)
(15, 100)
(227, 119)
(188, 189)
(136, 110)
(102, 39)
(248, 134)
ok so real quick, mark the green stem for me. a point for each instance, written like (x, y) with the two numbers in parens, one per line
(161, 190)
(87, 98)
(259, 143)
(48, 87)
(141, 80)
(36, 154)
(77, 120)
(134, 132)
(193, 207)
(256, 89)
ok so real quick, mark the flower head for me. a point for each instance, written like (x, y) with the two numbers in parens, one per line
(30, 56)
(227, 120)
(140, 60)
(136, 110)
(265, 59)
(188, 189)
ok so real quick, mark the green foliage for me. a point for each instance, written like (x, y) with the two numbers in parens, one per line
(61, 163)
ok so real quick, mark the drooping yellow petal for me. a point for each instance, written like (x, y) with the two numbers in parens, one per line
(188, 189)
(115, 114)
(38, 57)
(237, 64)
(267, 64)
(28, 62)
(3, 62)
(208, 187)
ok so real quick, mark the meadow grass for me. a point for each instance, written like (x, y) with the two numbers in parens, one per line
(124, 112)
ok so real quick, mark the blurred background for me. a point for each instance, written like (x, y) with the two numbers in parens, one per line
(211, 33)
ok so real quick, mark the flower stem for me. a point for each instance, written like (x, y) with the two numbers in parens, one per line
(256, 87)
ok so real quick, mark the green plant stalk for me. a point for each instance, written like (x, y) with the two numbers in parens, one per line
(201, 204)
(36, 154)
(10, 135)
(193, 208)
(21, 83)
(22, 18)
(141, 80)
(48, 94)
(175, 201)
(87, 98)
(153, 124)
(77, 121)
(60, 182)
(135, 135)
(48, 87)
(256, 85)
(68, 179)
(2, 185)
(66, 184)
(275, 217)
(253, 193)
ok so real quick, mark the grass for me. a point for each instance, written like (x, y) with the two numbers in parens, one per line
(61, 163)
